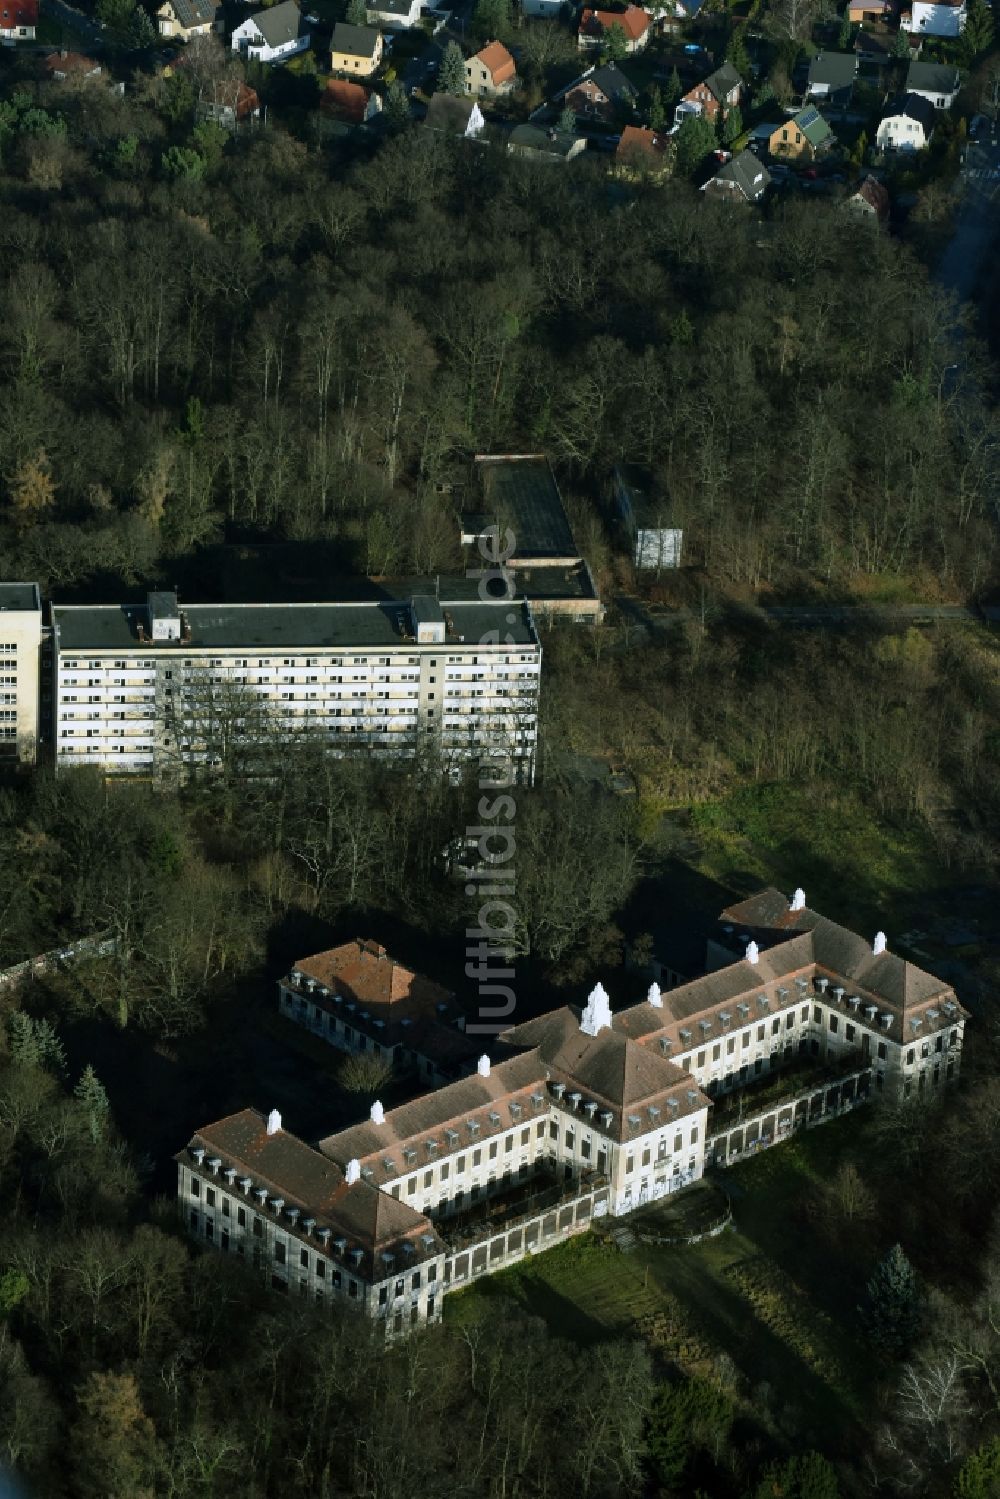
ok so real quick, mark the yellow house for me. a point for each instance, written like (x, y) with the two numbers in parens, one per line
(802, 137)
(186, 18)
(355, 50)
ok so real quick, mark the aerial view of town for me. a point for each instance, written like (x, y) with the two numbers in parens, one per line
(499, 749)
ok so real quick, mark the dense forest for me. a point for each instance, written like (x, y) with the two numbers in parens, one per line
(208, 335)
(267, 338)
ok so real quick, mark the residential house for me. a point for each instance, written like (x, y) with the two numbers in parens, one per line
(875, 48)
(802, 138)
(355, 50)
(183, 19)
(744, 179)
(633, 22)
(715, 96)
(542, 10)
(860, 11)
(272, 35)
(21, 665)
(229, 102)
(938, 17)
(538, 144)
(871, 201)
(601, 93)
(907, 126)
(350, 102)
(831, 77)
(643, 153)
(591, 1113)
(18, 19)
(62, 66)
(938, 82)
(491, 72)
(394, 15)
(461, 117)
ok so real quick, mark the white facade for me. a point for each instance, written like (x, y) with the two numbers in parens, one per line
(400, 18)
(250, 42)
(458, 688)
(931, 19)
(901, 133)
(20, 669)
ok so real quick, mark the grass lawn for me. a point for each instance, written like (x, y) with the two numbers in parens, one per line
(824, 838)
(767, 1292)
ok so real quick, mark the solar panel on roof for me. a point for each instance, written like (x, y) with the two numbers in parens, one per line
(808, 117)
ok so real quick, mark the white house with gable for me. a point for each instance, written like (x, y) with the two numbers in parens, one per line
(272, 35)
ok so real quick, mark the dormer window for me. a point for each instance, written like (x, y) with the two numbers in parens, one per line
(515, 1110)
(590, 1109)
(673, 1105)
(246, 1182)
(743, 1007)
(916, 1021)
(653, 1111)
(558, 1090)
(261, 1195)
(854, 1000)
(451, 1135)
(472, 1125)
(634, 1121)
(494, 1118)
(685, 1034)
(665, 1044)
(886, 1019)
(607, 1118)
(340, 1245)
(692, 1095)
(214, 1165)
(198, 1155)
(763, 1001)
(726, 1017)
(389, 1166)
(822, 984)
(293, 1214)
(230, 1174)
(838, 993)
(871, 1011)
(802, 983)
(277, 1203)
(537, 1100)
(781, 992)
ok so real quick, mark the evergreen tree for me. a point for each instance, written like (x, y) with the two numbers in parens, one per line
(978, 33)
(357, 13)
(492, 20)
(695, 140)
(451, 77)
(901, 44)
(566, 123)
(684, 1417)
(657, 114)
(846, 32)
(732, 126)
(34, 1043)
(397, 106)
(89, 1091)
(807, 1477)
(892, 1313)
(615, 44)
(979, 1475)
(737, 54)
(673, 92)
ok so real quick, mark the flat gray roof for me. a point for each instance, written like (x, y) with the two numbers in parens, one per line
(20, 596)
(283, 626)
(522, 495)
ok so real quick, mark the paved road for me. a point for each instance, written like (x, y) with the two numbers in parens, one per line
(817, 616)
(74, 20)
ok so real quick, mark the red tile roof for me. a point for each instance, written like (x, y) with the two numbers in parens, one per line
(632, 20)
(876, 195)
(70, 62)
(638, 138)
(14, 13)
(365, 972)
(346, 100)
(497, 60)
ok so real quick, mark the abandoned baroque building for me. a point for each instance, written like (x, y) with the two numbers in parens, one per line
(590, 1113)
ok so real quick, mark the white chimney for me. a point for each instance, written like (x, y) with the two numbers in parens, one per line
(653, 996)
(483, 1066)
(879, 945)
(752, 953)
(597, 1012)
(378, 1113)
(273, 1122)
(798, 900)
(353, 1173)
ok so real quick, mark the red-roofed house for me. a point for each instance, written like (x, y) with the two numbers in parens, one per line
(18, 19)
(350, 102)
(491, 71)
(63, 65)
(643, 153)
(871, 201)
(633, 22)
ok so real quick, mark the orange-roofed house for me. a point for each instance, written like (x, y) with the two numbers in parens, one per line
(643, 153)
(633, 22)
(350, 102)
(491, 72)
(871, 201)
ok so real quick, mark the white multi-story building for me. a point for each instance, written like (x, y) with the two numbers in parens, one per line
(157, 688)
(20, 669)
(595, 1114)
